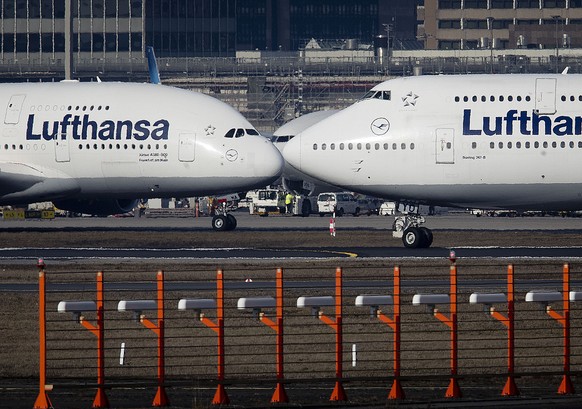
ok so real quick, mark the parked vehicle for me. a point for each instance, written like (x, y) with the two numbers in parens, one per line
(341, 203)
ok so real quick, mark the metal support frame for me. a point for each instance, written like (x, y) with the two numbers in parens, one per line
(566, 387)
(396, 392)
(42, 401)
(510, 388)
(280, 395)
(161, 399)
(220, 396)
(338, 394)
(453, 390)
(98, 330)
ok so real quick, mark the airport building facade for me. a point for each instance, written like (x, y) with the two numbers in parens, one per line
(500, 24)
(114, 30)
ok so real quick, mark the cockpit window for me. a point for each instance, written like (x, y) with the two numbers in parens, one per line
(239, 133)
(384, 95)
(282, 138)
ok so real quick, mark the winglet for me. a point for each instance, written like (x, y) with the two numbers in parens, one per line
(565, 71)
(153, 66)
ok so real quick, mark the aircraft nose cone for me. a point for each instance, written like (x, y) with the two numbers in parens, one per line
(292, 152)
(271, 161)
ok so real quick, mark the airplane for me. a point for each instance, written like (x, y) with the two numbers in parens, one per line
(292, 180)
(96, 147)
(471, 141)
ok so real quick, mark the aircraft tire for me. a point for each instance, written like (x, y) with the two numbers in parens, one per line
(412, 238)
(219, 223)
(306, 208)
(426, 237)
(230, 222)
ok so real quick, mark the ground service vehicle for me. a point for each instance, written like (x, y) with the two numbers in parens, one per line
(341, 203)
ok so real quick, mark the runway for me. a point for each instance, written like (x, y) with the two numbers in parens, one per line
(112, 254)
(284, 238)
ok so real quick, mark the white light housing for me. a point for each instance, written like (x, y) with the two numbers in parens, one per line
(196, 304)
(543, 296)
(325, 301)
(76, 306)
(373, 300)
(256, 302)
(480, 298)
(137, 305)
(430, 299)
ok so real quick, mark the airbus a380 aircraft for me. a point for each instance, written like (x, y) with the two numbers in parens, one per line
(97, 147)
(474, 141)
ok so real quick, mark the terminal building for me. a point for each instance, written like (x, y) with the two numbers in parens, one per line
(104, 31)
(500, 24)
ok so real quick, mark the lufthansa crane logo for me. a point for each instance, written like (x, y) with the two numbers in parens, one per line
(231, 155)
(380, 126)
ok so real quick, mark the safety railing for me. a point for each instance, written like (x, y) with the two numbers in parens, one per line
(305, 327)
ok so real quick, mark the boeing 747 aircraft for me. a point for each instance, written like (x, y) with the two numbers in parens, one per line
(472, 141)
(98, 147)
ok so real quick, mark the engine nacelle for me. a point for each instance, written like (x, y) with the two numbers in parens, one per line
(97, 207)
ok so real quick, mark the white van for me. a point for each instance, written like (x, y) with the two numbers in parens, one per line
(342, 203)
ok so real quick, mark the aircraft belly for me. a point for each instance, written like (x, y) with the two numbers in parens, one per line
(566, 196)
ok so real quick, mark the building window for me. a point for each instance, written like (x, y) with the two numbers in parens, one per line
(449, 45)
(528, 4)
(475, 4)
(501, 24)
(552, 4)
(475, 24)
(449, 4)
(444, 24)
(501, 4)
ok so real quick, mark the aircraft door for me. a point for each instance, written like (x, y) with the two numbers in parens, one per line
(187, 147)
(14, 108)
(545, 96)
(445, 146)
(62, 153)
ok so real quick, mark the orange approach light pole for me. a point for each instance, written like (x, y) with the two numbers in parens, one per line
(280, 395)
(42, 400)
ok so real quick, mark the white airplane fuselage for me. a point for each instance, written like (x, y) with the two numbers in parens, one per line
(125, 141)
(479, 141)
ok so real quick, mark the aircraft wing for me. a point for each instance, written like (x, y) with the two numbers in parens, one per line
(21, 183)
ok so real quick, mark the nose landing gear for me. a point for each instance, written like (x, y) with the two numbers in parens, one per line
(223, 221)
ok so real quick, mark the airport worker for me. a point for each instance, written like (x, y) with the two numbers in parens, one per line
(289, 203)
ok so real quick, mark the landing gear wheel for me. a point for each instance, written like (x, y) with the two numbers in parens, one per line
(426, 237)
(306, 208)
(230, 222)
(412, 238)
(220, 223)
